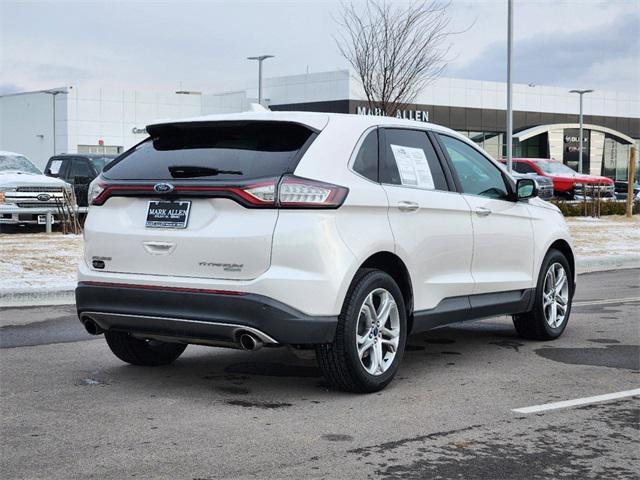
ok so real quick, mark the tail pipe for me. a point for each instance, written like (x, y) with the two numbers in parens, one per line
(249, 341)
(91, 327)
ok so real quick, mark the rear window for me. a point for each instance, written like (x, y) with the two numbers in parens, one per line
(221, 151)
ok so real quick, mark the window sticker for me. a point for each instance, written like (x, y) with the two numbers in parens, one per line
(54, 168)
(413, 166)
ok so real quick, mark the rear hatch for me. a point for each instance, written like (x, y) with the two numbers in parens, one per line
(189, 201)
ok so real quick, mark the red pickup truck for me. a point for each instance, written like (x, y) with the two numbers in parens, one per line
(567, 183)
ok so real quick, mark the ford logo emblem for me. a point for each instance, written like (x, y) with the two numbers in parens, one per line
(163, 187)
(44, 197)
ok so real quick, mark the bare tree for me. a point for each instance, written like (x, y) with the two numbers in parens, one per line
(395, 51)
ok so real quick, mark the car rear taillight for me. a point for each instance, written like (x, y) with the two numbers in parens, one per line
(295, 192)
(286, 192)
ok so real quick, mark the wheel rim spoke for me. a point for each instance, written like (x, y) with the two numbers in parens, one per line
(378, 331)
(555, 295)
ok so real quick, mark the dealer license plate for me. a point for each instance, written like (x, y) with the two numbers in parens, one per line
(163, 214)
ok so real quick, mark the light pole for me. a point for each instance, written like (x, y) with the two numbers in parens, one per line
(53, 94)
(260, 59)
(580, 140)
(509, 87)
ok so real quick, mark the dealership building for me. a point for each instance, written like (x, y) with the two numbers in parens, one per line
(78, 119)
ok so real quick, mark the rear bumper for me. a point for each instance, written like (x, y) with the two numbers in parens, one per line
(198, 316)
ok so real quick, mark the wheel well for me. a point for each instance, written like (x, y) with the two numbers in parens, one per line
(391, 264)
(564, 248)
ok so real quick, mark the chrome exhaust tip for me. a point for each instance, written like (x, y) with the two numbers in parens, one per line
(250, 342)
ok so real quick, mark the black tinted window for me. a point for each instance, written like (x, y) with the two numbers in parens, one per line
(522, 167)
(214, 151)
(477, 174)
(79, 168)
(411, 160)
(366, 163)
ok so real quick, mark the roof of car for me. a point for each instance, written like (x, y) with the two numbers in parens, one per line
(85, 155)
(315, 120)
(4, 152)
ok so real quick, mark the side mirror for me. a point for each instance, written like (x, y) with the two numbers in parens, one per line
(526, 188)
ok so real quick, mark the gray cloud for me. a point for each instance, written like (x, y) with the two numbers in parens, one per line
(601, 56)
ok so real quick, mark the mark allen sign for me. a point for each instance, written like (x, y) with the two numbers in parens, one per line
(418, 115)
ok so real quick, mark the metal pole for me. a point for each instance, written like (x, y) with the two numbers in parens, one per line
(260, 81)
(260, 59)
(53, 96)
(509, 87)
(631, 179)
(49, 218)
(580, 138)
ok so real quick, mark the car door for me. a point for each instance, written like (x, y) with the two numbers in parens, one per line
(79, 174)
(503, 229)
(430, 222)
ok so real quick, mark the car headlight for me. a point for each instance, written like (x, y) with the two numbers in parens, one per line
(3, 190)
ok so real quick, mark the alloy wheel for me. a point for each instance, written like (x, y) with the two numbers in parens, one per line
(555, 295)
(378, 331)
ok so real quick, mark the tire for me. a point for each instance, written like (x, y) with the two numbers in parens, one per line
(538, 324)
(340, 360)
(148, 353)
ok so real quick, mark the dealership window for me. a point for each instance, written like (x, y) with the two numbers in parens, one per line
(103, 149)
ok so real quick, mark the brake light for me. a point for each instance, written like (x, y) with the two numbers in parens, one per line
(290, 192)
(295, 192)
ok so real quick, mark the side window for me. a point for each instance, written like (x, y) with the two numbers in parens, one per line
(522, 167)
(55, 167)
(366, 162)
(477, 174)
(410, 160)
(79, 168)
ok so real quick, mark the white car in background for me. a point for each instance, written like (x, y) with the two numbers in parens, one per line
(25, 191)
(338, 233)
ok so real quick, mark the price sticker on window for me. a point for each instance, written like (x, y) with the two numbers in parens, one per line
(413, 166)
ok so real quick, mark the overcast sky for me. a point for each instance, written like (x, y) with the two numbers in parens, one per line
(202, 45)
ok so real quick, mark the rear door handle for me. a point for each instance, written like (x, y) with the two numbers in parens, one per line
(483, 212)
(408, 206)
(159, 248)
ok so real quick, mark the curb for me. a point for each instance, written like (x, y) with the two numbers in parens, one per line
(609, 262)
(35, 298)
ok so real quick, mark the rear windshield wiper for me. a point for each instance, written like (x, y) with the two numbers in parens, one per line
(190, 172)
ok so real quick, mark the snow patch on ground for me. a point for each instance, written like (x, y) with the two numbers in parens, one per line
(610, 235)
(38, 262)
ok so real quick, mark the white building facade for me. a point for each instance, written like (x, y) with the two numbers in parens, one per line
(545, 118)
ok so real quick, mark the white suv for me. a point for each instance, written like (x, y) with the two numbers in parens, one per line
(338, 233)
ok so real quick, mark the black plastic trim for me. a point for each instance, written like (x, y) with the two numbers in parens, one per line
(473, 307)
(283, 323)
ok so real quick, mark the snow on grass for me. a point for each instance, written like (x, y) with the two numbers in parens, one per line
(610, 235)
(37, 261)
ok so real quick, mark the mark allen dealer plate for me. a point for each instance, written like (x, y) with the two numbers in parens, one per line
(168, 214)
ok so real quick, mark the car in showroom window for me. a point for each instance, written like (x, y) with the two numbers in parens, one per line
(338, 234)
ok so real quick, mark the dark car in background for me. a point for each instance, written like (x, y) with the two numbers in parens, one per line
(621, 190)
(78, 169)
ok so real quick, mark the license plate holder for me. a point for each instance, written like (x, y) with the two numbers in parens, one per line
(168, 214)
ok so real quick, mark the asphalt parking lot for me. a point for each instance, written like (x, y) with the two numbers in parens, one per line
(70, 409)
